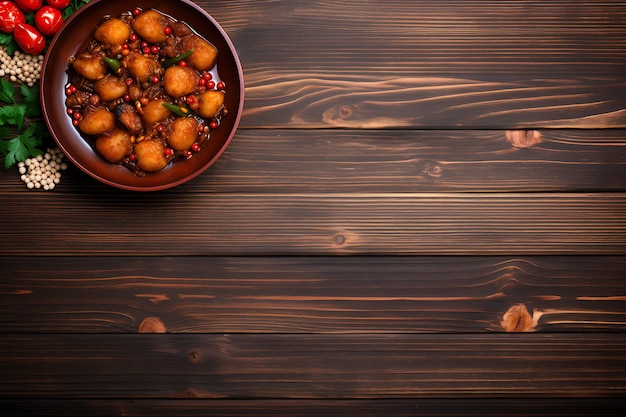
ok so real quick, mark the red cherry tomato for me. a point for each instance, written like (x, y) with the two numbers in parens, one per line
(29, 39)
(10, 16)
(58, 4)
(29, 5)
(48, 20)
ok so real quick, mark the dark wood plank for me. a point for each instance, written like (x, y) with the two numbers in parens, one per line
(311, 295)
(257, 224)
(313, 366)
(512, 407)
(288, 161)
(476, 63)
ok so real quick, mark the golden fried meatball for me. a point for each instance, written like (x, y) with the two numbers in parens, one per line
(115, 146)
(204, 54)
(112, 32)
(179, 81)
(89, 66)
(141, 67)
(210, 103)
(97, 121)
(150, 155)
(183, 133)
(155, 111)
(110, 87)
(150, 25)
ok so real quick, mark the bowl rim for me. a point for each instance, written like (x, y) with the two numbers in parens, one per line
(154, 187)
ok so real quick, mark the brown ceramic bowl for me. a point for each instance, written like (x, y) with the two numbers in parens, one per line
(73, 37)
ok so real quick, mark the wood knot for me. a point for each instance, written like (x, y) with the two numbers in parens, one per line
(152, 325)
(523, 138)
(432, 169)
(193, 356)
(517, 319)
(337, 115)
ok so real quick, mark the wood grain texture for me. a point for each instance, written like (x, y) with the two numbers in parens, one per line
(297, 161)
(312, 366)
(513, 407)
(430, 64)
(309, 295)
(411, 180)
(316, 224)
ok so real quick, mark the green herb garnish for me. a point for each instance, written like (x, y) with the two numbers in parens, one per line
(177, 58)
(21, 137)
(177, 110)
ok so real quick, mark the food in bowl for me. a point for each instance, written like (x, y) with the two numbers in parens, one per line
(145, 92)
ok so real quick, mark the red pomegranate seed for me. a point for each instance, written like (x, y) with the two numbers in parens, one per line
(210, 84)
(195, 147)
(221, 85)
(133, 37)
(167, 30)
(129, 81)
(136, 11)
(155, 49)
(213, 124)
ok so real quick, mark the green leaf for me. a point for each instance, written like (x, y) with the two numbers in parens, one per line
(31, 99)
(6, 39)
(23, 146)
(4, 132)
(13, 115)
(40, 129)
(7, 94)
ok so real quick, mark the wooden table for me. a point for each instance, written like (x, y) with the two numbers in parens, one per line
(423, 213)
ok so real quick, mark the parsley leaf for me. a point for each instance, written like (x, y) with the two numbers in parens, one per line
(7, 40)
(6, 91)
(13, 115)
(23, 146)
(31, 99)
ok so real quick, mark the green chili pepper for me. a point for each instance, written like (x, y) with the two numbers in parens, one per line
(112, 63)
(177, 58)
(177, 110)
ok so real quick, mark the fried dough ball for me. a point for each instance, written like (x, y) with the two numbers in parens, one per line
(155, 111)
(141, 67)
(183, 133)
(150, 25)
(110, 87)
(150, 155)
(179, 81)
(210, 103)
(204, 54)
(97, 121)
(89, 66)
(112, 32)
(115, 146)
